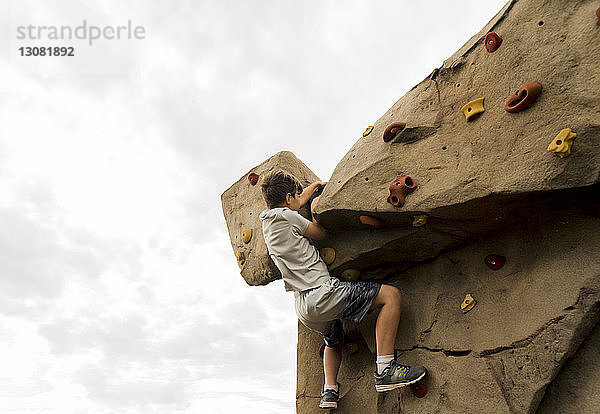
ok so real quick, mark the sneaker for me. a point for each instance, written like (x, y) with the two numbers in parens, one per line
(396, 375)
(330, 398)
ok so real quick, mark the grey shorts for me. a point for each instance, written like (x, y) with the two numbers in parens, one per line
(321, 309)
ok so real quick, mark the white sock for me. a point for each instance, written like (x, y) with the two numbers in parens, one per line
(331, 387)
(383, 361)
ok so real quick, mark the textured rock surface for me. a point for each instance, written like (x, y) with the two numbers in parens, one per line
(242, 204)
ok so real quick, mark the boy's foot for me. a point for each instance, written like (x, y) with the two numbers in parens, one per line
(396, 375)
(329, 398)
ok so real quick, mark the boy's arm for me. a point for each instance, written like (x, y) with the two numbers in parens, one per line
(315, 230)
(309, 191)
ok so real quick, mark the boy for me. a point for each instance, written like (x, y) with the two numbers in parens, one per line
(321, 301)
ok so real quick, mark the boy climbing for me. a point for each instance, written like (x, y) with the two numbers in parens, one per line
(321, 301)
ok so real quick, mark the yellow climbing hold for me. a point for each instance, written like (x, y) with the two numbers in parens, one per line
(241, 259)
(419, 221)
(246, 235)
(350, 275)
(468, 303)
(561, 145)
(368, 130)
(328, 255)
(473, 108)
(351, 348)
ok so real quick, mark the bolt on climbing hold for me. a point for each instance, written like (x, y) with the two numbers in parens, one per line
(253, 178)
(399, 189)
(328, 255)
(368, 130)
(494, 261)
(473, 108)
(392, 130)
(374, 222)
(419, 389)
(492, 42)
(246, 235)
(241, 259)
(350, 275)
(524, 97)
(420, 220)
(561, 145)
(468, 303)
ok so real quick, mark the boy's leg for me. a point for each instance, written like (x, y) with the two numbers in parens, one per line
(332, 358)
(389, 300)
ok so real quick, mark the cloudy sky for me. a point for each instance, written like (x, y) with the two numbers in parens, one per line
(119, 290)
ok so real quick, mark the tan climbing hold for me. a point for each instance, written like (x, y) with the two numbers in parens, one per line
(561, 145)
(368, 130)
(420, 220)
(350, 275)
(241, 258)
(247, 235)
(473, 108)
(328, 255)
(468, 303)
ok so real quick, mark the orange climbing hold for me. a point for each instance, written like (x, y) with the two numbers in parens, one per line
(598, 15)
(368, 130)
(492, 42)
(253, 178)
(374, 222)
(524, 97)
(399, 189)
(468, 303)
(392, 130)
(419, 389)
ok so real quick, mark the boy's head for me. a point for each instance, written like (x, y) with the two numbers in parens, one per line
(280, 189)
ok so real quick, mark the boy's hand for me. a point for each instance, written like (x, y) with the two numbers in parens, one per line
(308, 192)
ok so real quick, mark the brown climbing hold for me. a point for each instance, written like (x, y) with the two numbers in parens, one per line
(368, 130)
(399, 189)
(492, 42)
(241, 259)
(392, 130)
(419, 389)
(328, 255)
(253, 178)
(350, 275)
(494, 261)
(524, 97)
(246, 235)
(374, 222)
(468, 303)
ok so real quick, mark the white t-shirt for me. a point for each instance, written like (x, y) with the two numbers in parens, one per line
(296, 258)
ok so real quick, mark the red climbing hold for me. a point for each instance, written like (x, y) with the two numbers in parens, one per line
(524, 97)
(495, 261)
(374, 222)
(392, 130)
(492, 42)
(598, 15)
(419, 389)
(399, 189)
(253, 178)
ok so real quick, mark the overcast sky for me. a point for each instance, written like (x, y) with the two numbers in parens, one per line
(119, 289)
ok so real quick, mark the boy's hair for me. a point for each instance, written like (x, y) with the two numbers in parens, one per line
(276, 185)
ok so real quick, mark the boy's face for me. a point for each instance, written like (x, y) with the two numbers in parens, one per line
(293, 203)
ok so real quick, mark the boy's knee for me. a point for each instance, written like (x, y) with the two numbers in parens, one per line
(396, 296)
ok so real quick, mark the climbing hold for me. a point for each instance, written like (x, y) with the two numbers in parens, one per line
(328, 255)
(524, 97)
(598, 15)
(241, 259)
(253, 178)
(473, 108)
(351, 348)
(246, 235)
(420, 220)
(561, 145)
(368, 130)
(468, 303)
(494, 261)
(350, 275)
(392, 130)
(399, 189)
(374, 222)
(492, 42)
(419, 389)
